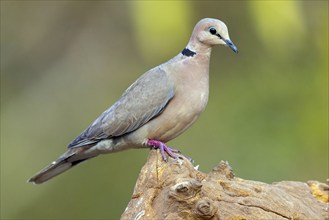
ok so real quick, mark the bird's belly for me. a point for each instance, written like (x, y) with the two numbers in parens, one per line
(179, 115)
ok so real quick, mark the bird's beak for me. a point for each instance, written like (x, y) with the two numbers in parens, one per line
(231, 45)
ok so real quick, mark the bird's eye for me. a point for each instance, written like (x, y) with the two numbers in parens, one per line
(212, 31)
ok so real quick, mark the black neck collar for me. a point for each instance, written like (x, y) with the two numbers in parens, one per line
(187, 52)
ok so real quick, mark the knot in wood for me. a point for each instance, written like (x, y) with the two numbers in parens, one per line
(205, 208)
(185, 189)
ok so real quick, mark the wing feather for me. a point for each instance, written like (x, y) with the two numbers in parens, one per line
(143, 100)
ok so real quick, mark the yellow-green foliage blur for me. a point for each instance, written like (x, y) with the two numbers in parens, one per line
(65, 62)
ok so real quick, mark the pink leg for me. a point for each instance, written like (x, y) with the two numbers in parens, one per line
(163, 149)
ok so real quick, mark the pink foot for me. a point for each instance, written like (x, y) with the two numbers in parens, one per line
(166, 149)
(163, 149)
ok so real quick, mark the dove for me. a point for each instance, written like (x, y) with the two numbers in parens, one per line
(160, 105)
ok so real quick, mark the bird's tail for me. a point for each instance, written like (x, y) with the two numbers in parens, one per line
(68, 160)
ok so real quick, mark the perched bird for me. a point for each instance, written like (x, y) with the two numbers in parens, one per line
(157, 107)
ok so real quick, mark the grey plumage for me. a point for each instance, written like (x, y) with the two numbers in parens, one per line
(127, 114)
(157, 107)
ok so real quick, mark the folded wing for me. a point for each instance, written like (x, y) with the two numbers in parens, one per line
(145, 99)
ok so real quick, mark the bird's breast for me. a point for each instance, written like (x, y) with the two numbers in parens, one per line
(190, 100)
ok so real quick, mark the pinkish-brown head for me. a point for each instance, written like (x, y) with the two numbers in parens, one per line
(209, 32)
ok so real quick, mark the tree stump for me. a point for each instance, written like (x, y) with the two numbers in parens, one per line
(177, 190)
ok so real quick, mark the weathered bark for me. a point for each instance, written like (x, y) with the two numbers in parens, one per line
(176, 190)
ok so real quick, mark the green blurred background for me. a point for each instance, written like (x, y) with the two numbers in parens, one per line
(65, 62)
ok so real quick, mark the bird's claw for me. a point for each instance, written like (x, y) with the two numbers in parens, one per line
(166, 149)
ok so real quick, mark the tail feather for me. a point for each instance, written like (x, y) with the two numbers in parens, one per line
(63, 163)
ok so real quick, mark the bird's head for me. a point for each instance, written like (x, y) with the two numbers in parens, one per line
(210, 32)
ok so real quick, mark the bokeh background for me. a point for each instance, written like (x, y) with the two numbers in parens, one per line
(65, 62)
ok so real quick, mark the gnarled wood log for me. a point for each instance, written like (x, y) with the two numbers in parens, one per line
(176, 190)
